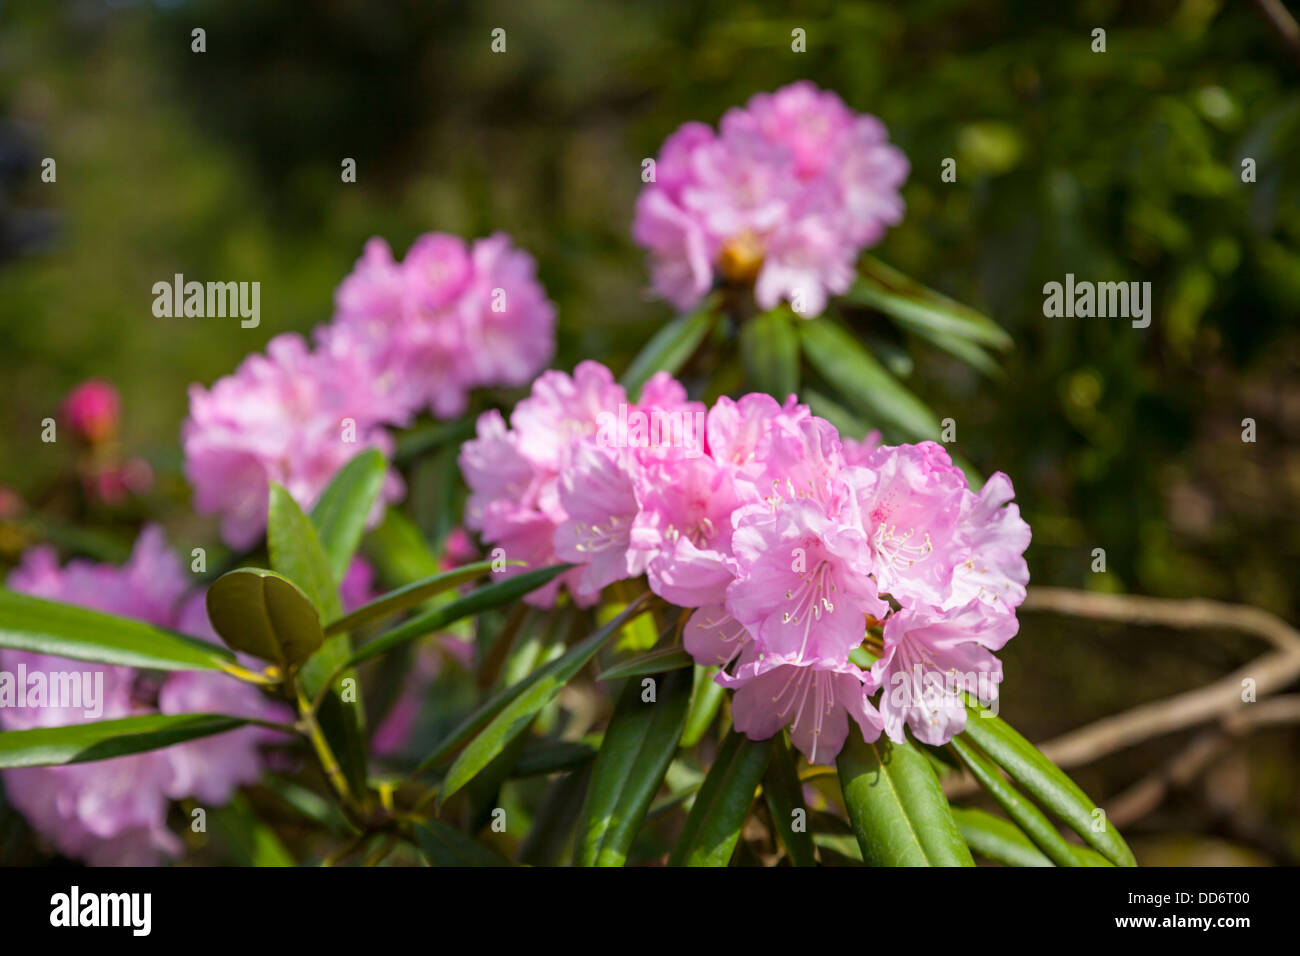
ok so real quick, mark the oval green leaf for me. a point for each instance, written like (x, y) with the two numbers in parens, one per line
(897, 807)
(266, 615)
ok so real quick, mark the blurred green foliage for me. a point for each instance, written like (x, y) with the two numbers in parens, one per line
(1123, 165)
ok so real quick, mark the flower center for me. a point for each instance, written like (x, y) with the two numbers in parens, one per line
(741, 257)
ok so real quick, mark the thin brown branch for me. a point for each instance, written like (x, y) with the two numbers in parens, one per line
(1220, 700)
(1282, 24)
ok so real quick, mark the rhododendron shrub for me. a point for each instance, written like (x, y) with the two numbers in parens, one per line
(617, 609)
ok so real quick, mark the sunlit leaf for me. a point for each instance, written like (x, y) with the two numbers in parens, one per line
(62, 630)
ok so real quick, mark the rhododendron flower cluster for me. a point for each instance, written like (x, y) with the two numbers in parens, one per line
(791, 545)
(405, 337)
(785, 194)
(114, 812)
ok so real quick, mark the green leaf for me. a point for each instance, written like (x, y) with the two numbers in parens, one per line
(784, 795)
(297, 553)
(62, 630)
(516, 715)
(1046, 782)
(996, 839)
(398, 550)
(705, 703)
(897, 807)
(917, 308)
(404, 598)
(102, 740)
(551, 834)
(553, 756)
(864, 383)
(247, 840)
(444, 845)
(652, 662)
(431, 436)
(670, 348)
(1027, 816)
(639, 744)
(266, 615)
(713, 826)
(769, 349)
(494, 595)
(341, 511)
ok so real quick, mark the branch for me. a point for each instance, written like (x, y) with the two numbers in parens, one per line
(1220, 700)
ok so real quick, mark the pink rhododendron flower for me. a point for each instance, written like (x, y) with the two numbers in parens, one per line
(92, 411)
(113, 812)
(910, 497)
(450, 317)
(803, 587)
(785, 194)
(783, 538)
(932, 658)
(813, 700)
(291, 416)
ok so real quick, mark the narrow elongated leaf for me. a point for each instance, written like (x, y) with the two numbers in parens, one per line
(670, 347)
(264, 614)
(62, 630)
(521, 669)
(340, 513)
(494, 595)
(705, 702)
(551, 834)
(713, 826)
(516, 715)
(1027, 816)
(915, 307)
(1003, 842)
(864, 383)
(431, 436)
(102, 740)
(1047, 783)
(552, 757)
(652, 662)
(784, 797)
(398, 550)
(296, 552)
(639, 744)
(769, 349)
(404, 598)
(996, 839)
(444, 845)
(897, 807)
